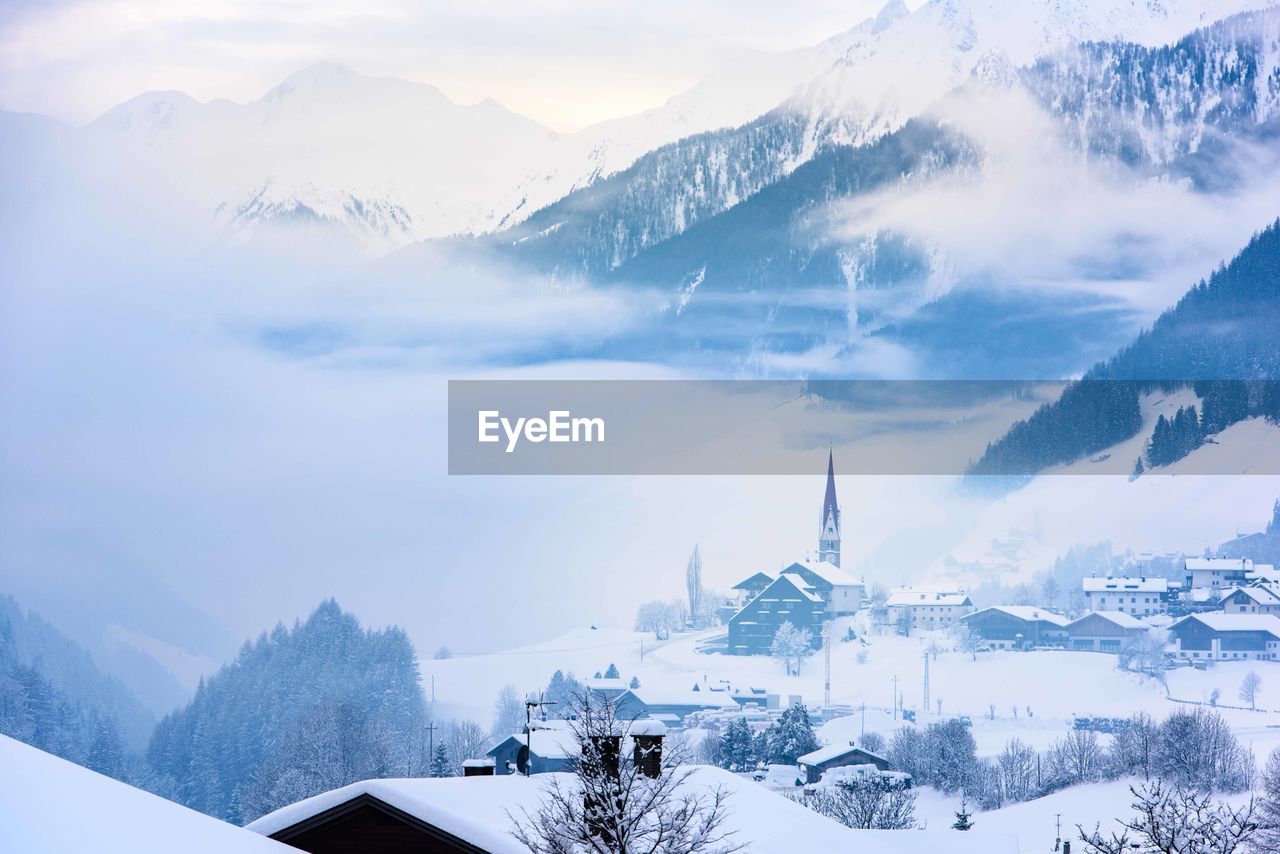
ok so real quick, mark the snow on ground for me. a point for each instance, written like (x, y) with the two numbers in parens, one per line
(1035, 822)
(1056, 685)
(50, 805)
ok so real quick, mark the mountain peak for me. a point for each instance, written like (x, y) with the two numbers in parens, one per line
(893, 11)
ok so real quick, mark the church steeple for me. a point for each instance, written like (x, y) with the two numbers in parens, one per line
(829, 529)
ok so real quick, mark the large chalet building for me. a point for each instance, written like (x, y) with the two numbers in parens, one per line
(1141, 596)
(805, 594)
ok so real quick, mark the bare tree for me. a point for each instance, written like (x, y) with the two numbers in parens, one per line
(1249, 689)
(508, 713)
(791, 646)
(1076, 758)
(1133, 747)
(1145, 654)
(611, 806)
(867, 802)
(1017, 769)
(1173, 820)
(464, 740)
(967, 640)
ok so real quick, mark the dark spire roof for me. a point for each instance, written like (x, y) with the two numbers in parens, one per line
(829, 503)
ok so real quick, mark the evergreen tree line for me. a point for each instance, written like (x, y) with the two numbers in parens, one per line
(1219, 338)
(789, 737)
(33, 710)
(300, 711)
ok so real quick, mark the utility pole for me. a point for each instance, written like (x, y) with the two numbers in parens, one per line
(529, 705)
(863, 732)
(826, 654)
(895, 697)
(926, 683)
(431, 744)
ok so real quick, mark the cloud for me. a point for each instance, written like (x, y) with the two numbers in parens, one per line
(1038, 217)
(567, 63)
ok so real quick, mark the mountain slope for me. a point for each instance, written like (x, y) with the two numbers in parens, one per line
(1222, 330)
(35, 644)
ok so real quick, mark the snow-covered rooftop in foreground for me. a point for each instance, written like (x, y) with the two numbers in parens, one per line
(50, 805)
(479, 810)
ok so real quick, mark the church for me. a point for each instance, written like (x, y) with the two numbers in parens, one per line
(806, 594)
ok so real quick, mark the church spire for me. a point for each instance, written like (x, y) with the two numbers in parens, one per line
(829, 528)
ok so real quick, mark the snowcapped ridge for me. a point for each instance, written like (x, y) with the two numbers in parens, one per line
(433, 167)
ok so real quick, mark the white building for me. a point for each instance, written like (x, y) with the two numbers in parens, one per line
(841, 592)
(927, 609)
(1221, 573)
(1224, 637)
(1254, 599)
(1141, 596)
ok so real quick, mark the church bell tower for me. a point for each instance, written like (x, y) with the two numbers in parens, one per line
(829, 530)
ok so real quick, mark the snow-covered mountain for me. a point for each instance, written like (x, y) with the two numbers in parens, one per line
(874, 78)
(392, 162)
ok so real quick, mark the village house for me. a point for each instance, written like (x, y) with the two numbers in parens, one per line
(1220, 573)
(805, 594)
(669, 707)
(814, 765)
(1018, 626)
(1227, 637)
(1141, 596)
(840, 591)
(749, 588)
(927, 609)
(549, 746)
(1254, 599)
(1105, 631)
(786, 600)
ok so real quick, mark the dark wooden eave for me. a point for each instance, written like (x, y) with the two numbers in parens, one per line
(369, 801)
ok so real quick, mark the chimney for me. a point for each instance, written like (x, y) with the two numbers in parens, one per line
(648, 755)
(607, 751)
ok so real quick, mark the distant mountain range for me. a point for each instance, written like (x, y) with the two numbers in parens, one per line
(794, 212)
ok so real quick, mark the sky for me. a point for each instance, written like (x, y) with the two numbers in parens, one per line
(564, 63)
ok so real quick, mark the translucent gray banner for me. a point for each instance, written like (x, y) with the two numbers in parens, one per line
(732, 427)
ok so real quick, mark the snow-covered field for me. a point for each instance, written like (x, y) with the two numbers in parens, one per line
(1053, 685)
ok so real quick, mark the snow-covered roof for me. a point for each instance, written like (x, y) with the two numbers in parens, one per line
(827, 571)
(1260, 595)
(1024, 612)
(796, 583)
(1221, 622)
(753, 581)
(1223, 563)
(834, 751)
(1119, 618)
(479, 810)
(547, 743)
(665, 697)
(1140, 584)
(907, 596)
(50, 804)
